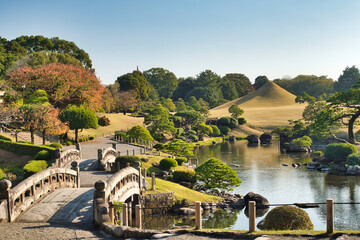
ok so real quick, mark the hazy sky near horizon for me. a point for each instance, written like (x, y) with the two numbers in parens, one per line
(275, 38)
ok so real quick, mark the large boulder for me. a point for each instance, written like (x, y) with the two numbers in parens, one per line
(252, 139)
(232, 139)
(265, 138)
(261, 201)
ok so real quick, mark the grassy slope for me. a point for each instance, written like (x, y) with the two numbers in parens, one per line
(269, 107)
(181, 192)
(118, 122)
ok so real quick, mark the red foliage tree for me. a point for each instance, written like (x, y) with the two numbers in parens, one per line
(65, 84)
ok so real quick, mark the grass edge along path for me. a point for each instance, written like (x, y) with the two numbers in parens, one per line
(181, 192)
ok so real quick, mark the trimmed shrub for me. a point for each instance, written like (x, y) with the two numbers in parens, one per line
(181, 160)
(103, 121)
(180, 137)
(224, 130)
(353, 159)
(304, 141)
(33, 167)
(139, 132)
(193, 138)
(2, 174)
(170, 178)
(68, 143)
(56, 145)
(167, 163)
(216, 131)
(318, 153)
(126, 159)
(228, 121)
(91, 138)
(101, 110)
(159, 146)
(191, 132)
(241, 121)
(42, 155)
(25, 148)
(287, 217)
(338, 152)
(4, 138)
(185, 175)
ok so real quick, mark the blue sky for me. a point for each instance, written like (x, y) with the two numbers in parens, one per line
(275, 38)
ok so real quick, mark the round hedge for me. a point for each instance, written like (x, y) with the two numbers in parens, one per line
(228, 121)
(184, 175)
(56, 145)
(224, 129)
(33, 167)
(42, 155)
(287, 218)
(338, 152)
(167, 163)
(353, 159)
(216, 131)
(181, 160)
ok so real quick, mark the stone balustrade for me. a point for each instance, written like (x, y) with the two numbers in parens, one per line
(121, 186)
(63, 158)
(106, 157)
(29, 191)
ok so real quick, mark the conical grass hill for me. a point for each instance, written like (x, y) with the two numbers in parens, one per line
(265, 109)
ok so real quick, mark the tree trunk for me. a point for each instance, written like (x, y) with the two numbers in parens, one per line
(32, 135)
(351, 127)
(76, 135)
(43, 136)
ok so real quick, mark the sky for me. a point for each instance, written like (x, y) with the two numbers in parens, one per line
(275, 38)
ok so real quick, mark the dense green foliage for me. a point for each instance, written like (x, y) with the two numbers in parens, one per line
(235, 111)
(56, 145)
(123, 160)
(241, 121)
(287, 218)
(230, 122)
(159, 146)
(180, 148)
(304, 97)
(42, 155)
(235, 85)
(181, 160)
(134, 81)
(224, 130)
(184, 175)
(79, 118)
(215, 174)
(159, 122)
(216, 131)
(347, 79)
(103, 121)
(164, 81)
(353, 159)
(25, 148)
(4, 138)
(303, 141)
(313, 85)
(167, 163)
(139, 132)
(33, 167)
(338, 152)
(260, 81)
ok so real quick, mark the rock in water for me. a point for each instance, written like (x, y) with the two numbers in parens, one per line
(265, 138)
(232, 139)
(261, 201)
(252, 139)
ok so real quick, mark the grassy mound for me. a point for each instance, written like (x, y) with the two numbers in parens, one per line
(287, 218)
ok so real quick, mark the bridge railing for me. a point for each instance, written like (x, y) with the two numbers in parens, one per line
(33, 188)
(121, 186)
(107, 156)
(63, 158)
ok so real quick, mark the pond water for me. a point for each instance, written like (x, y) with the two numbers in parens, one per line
(261, 171)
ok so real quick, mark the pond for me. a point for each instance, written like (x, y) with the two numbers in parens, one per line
(261, 170)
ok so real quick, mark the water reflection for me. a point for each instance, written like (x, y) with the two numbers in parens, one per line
(221, 219)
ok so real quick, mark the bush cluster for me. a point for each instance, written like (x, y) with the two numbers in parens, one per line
(230, 122)
(287, 217)
(68, 143)
(42, 155)
(224, 130)
(241, 121)
(181, 160)
(184, 175)
(56, 145)
(33, 167)
(26, 148)
(338, 152)
(167, 163)
(216, 131)
(353, 159)
(2, 174)
(4, 138)
(126, 159)
(103, 121)
(159, 146)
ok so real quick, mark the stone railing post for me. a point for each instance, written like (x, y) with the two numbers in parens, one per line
(57, 157)
(127, 152)
(252, 216)
(138, 167)
(5, 186)
(134, 151)
(99, 190)
(75, 167)
(114, 146)
(198, 220)
(100, 157)
(138, 216)
(153, 181)
(78, 147)
(111, 212)
(125, 219)
(329, 215)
